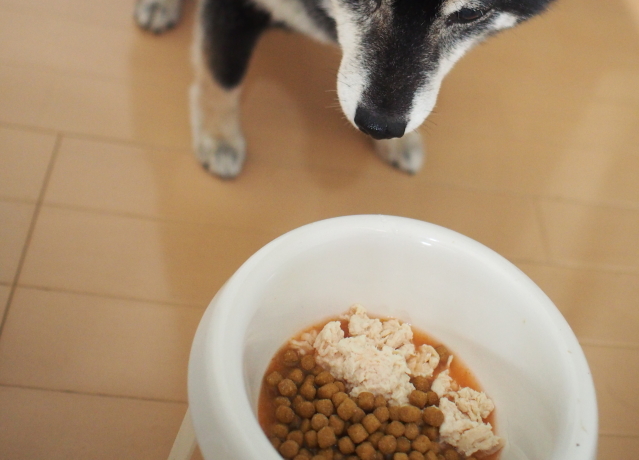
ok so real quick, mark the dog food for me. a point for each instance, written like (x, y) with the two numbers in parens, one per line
(370, 389)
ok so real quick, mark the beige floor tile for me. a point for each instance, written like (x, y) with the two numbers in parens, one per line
(135, 258)
(97, 345)
(595, 175)
(616, 373)
(25, 93)
(615, 447)
(24, 159)
(73, 46)
(172, 185)
(599, 306)
(38, 424)
(15, 219)
(592, 236)
(4, 298)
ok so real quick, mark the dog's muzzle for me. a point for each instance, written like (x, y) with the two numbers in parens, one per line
(379, 126)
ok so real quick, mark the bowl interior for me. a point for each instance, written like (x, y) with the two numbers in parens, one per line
(483, 308)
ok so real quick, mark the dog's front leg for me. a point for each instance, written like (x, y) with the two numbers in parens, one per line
(226, 33)
(405, 153)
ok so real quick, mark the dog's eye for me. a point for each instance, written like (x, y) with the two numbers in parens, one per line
(465, 15)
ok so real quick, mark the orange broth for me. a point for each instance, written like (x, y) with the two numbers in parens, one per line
(458, 371)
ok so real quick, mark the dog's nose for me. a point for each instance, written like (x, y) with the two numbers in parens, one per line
(378, 126)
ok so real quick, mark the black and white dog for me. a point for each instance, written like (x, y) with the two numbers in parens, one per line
(395, 54)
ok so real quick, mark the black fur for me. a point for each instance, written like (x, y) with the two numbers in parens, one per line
(231, 29)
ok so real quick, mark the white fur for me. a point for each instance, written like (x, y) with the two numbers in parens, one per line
(352, 78)
(504, 21)
(424, 99)
(452, 6)
(157, 15)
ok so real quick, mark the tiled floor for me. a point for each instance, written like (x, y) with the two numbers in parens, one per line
(113, 239)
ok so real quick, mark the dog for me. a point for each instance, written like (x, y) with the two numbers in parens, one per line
(395, 54)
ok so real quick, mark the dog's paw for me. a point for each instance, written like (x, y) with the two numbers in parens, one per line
(157, 15)
(220, 157)
(405, 153)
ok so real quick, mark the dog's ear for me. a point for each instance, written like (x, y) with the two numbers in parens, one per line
(378, 3)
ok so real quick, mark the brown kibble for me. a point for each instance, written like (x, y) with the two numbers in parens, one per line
(326, 437)
(324, 406)
(415, 455)
(289, 449)
(307, 362)
(317, 370)
(432, 432)
(279, 430)
(400, 456)
(305, 425)
(346, 445)
(338, 398)
(433, 399)
(433, 416)
(421, 443)
(290, 358)
(327, 390)
(371, 423)
(301, 456)
(451, 454)
(403, 444)
(395, 428)
(435, 447)
(393, 412)
(382, 413)
(276, 443)
(323, 378)
(296, 375)
(387, 444)
(418, 398)
(374, 438)
(357, 433)
(366, 401)
(409, 414)
(443, 353)
(346, 409)
(421, 383)
(337, 424)
(305, 409)
(327, 454)
(358, 415)
(310, 439)
(411, 431)
(308, 391)
(319, 421)
(282, 401)
(340, 385)
(297, 400)
(431, 455)
(287, 388)
(284, 414)
(365, 451)
(296, 436)
(380, 401)
(274, 378)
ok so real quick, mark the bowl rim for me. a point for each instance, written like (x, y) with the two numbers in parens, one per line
(210, 341)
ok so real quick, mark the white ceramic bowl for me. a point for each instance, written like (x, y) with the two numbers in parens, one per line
(485, 309)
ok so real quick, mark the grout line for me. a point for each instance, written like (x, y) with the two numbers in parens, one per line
(30, 231)
(269, 233)
(96, 394)
(618, 435)
(605, 344)
(165, 303)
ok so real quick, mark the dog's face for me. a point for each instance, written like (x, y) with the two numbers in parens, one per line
(396, 53)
